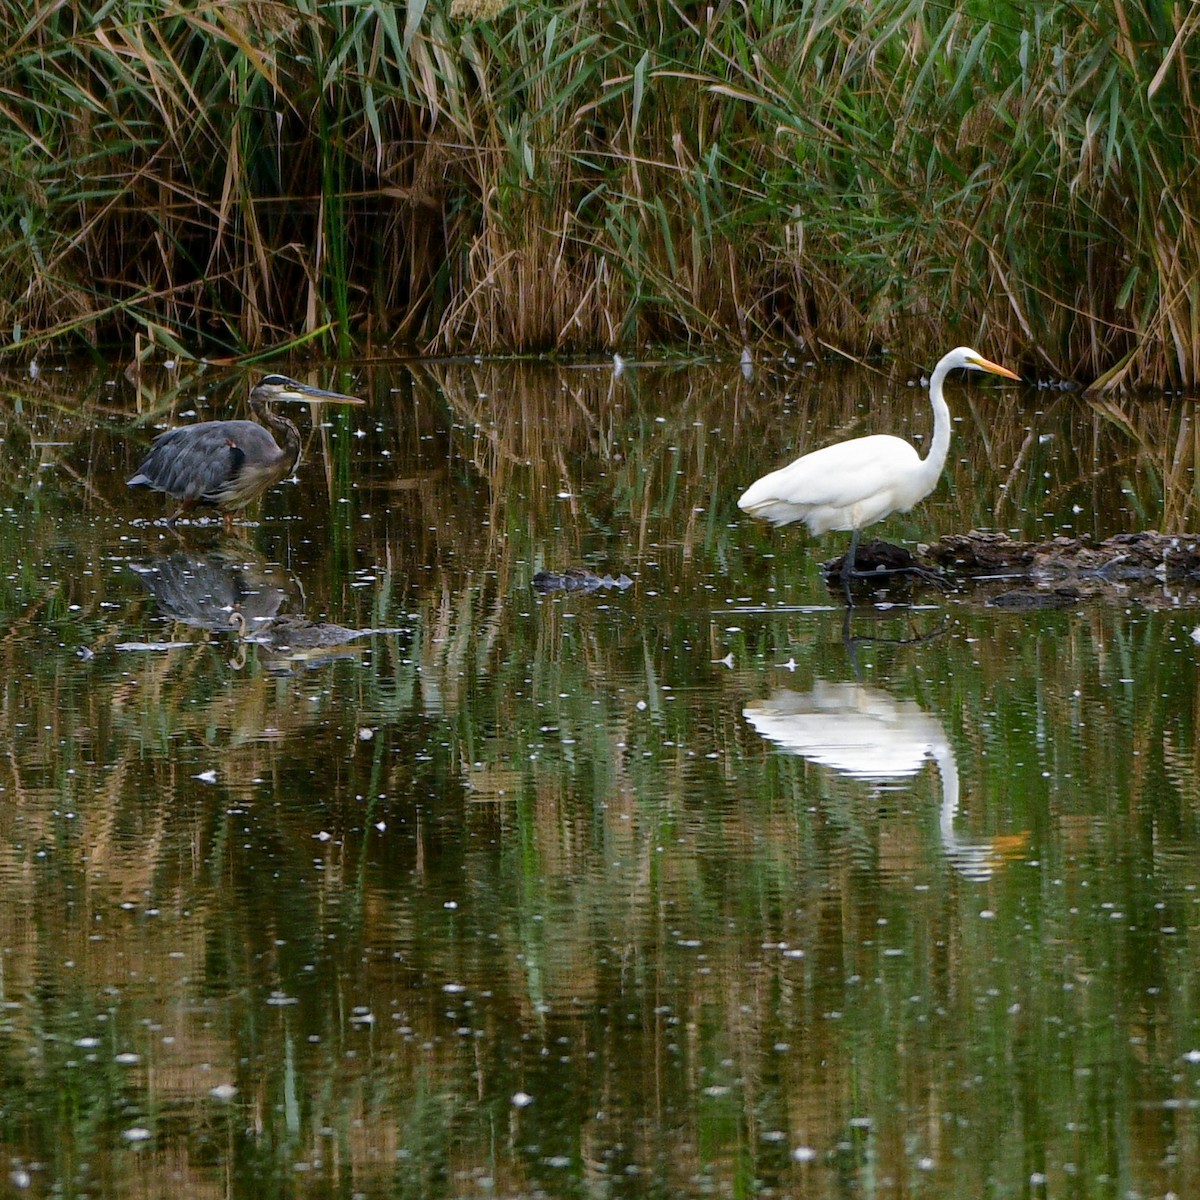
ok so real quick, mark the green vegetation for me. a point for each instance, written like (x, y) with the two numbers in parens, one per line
(224, 177)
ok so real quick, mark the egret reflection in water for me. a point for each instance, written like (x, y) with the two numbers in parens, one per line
(867, 734)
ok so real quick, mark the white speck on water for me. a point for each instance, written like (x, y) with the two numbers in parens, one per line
(153, 646)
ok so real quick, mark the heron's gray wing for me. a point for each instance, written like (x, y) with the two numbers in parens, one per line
(196, 462)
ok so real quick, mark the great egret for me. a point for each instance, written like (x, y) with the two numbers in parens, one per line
(229, 464)
(853, 484)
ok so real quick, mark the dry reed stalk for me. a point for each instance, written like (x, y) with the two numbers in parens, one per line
(571, 176)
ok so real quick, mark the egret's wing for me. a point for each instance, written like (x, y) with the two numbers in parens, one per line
(196, 461)
(835, 476)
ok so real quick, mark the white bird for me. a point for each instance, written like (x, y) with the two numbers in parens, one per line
(853, 484)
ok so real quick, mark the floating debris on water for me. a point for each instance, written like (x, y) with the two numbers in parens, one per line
(578, 579)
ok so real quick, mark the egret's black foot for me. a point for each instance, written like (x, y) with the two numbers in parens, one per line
(879, 565)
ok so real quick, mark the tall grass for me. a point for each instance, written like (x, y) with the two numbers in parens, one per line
(575, 176)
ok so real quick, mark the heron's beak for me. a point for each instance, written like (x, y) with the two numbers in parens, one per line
(315, 395)
(280, 387)
(995, 368)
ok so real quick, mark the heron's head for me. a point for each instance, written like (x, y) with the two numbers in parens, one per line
(280, 387)
(972, 360)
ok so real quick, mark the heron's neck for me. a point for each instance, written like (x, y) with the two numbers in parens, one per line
(283, 429)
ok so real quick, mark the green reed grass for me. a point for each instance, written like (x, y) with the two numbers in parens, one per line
(571, 176)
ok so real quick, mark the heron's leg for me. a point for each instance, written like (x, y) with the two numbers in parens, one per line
(185, 507)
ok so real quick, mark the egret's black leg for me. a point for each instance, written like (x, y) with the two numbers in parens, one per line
(848, 568)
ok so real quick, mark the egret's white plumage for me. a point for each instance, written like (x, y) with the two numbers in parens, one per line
(853, 484)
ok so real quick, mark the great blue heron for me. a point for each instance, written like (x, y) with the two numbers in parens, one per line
(229, 464)
(850, 485)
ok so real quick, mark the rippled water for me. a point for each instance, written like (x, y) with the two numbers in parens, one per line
(686, 888)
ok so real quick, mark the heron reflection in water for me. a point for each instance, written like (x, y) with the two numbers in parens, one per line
(203, 589)
(227, 465)
(228, 590)
(865, 733)
(289, 640)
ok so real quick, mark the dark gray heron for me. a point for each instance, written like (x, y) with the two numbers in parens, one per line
(229, 464)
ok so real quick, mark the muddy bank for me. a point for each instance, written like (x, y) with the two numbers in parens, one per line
(1015, 574)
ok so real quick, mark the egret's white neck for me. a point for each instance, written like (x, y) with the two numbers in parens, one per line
(935, 460)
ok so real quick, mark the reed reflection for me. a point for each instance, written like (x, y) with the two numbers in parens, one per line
(869, 735)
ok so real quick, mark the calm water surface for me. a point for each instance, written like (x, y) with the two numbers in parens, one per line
(685, 889)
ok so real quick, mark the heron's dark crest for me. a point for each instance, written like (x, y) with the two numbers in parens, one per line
(229, 464)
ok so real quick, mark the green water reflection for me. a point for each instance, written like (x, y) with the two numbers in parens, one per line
(678, 890)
